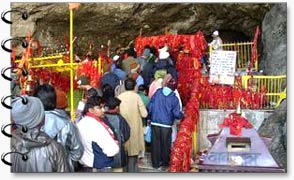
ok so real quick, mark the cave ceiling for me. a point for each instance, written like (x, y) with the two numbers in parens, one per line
(96, 23)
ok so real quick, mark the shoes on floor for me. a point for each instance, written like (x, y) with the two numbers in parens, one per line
(163, 168)
(140, 162)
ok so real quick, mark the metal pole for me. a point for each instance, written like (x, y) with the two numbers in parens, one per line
(194, 139)
(71, 67)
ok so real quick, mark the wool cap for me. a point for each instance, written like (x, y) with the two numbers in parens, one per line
(160, 74)
(30, 114)
(146, 52)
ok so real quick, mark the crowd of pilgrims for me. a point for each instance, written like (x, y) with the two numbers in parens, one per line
(108, 132)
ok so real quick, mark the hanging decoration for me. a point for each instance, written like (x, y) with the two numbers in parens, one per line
(254, 51)
(89, 70)
(227, 97)
(24, 64)
(188, 42)
(236, 122)
(189, 86)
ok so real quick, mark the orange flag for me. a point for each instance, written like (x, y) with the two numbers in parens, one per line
(73, 5)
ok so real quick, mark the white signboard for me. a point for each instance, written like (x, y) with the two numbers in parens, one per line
(222, 67)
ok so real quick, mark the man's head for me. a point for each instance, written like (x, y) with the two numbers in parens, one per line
(94, 105)
(112, 102)
(142, 88)
(130, 84)
(172, 84)
(169, 82)
(131, 52)
(91, 92)
(146, 52)
(46, 93)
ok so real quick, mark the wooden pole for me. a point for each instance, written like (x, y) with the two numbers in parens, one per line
(141, 30)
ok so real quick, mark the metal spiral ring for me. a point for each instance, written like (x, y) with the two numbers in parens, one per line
(24, 157)
(24, 129)
(24, 100)
(24, 43)
(24, 72)
(24, 15)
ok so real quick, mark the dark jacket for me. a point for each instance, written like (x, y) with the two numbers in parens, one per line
(44, 154)
(122, 131)
(164, 109)
(166, 64)
(147, 73)
(111, 79)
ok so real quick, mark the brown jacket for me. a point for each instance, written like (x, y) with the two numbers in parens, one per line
(132, 109)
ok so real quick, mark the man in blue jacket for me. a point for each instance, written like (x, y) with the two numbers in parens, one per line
(163, 109)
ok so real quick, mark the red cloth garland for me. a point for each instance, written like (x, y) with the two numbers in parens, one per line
(236, 122)
(90, 70)
(254, 50)
(189, 86)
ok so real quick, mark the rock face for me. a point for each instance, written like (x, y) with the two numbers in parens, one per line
(274, 62)
(274, 40)
(275, 127)
(121, 22)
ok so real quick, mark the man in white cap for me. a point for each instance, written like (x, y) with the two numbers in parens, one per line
(115, 58)
(217, 42)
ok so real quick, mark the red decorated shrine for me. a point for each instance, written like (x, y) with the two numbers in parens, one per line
(196, 91)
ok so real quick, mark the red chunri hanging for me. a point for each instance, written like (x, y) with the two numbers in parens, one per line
(196, 92)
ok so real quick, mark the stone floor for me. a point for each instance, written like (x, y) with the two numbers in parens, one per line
(144, 165)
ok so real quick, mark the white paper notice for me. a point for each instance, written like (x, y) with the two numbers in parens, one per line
(222, 67)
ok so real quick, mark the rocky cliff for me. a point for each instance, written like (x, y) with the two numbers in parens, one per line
(275, 127)
(274, 41)
(121, 22)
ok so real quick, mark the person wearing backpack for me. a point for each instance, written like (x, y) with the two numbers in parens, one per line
(122, 131)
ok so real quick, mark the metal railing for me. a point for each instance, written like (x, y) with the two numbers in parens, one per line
(275, 86)
(244, 53)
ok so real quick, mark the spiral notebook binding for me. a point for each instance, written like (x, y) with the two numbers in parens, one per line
(24, 157)
(24, 129)
(25, 44)
(24, 72)
(24, 15)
